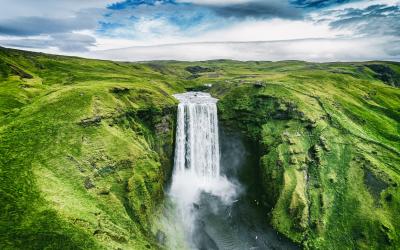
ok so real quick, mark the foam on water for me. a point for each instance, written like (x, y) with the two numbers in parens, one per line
(197, 157)
(208, 210)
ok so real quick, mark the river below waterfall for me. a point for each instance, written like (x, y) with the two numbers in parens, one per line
(214, 186)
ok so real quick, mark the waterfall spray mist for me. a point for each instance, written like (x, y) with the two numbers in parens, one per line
(197, 159)
(206, 209)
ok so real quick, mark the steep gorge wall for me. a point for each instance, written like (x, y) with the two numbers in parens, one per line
(84, 164)
(102, 176)
(325, 184)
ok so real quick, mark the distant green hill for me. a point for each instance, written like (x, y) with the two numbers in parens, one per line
(86, 147)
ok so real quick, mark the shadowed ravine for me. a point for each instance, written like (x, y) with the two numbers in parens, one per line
(213, 202)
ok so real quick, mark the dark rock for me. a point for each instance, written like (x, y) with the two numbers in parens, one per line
(94, 121)
(293, 160)
(313, 155)
(311, 125)
(163, 126)
(324, 144)
(104, 191)
(386, 74)
(192, 77)
(119, 90)
(123, 164)
(118, 178)
(281, 115)
(17, 71)
(161, 237)
(88, 183)
(389, 197)
(302, 167)
(197, 88)
(374, 183)
(106, 170)
(113, 236)
(25, 86)
(198, 69)
(258, 85)
(163, 69)
(76, 162)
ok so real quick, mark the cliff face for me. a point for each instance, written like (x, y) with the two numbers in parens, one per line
(329, 154)
(83, 164)
(86, 147)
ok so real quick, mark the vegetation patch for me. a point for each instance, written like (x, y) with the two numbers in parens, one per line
(86, 148)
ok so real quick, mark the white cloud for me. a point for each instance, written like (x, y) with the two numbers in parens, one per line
(312, 38)
(272, 30)
(55, 43)
(249, 30)
(215, 2)
(364, 4)
(47, 8)
(307, 49)
(50, 25)
(146, 30)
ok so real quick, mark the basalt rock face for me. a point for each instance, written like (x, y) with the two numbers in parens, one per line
(328, 179)
(386, 74)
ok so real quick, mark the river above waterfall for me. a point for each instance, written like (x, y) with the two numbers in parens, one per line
(211, 205)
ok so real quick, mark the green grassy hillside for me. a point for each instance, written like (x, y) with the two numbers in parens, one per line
(330, 140)
(85, 150)
(86, 147)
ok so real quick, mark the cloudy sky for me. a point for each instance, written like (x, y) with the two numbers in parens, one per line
(313, 30)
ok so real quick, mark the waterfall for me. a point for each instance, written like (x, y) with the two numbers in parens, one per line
(197, 160)
(197, 145)
(205, 209)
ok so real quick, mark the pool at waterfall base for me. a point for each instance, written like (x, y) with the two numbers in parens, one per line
(211, 207)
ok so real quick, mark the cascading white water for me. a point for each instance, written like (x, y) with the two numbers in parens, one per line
(197, 158)
(206, 209)
(197, 145)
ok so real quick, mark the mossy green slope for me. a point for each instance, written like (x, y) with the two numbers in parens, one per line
(86, 147)
(331, 151)
(83, 161)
